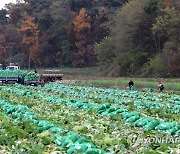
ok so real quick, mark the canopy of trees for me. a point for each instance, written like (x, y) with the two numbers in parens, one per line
(122, 37)
(145, 40)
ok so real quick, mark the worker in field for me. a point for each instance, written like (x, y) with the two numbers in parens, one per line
(21, 79)
(131, 85)
(160, 86)
(35, 71)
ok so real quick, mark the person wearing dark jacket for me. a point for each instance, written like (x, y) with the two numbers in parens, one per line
(35, 70)
(131, 83)
(21, 79)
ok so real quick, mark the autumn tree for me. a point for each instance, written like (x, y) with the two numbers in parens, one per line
(139, 38)
(55, 20)
(30, 34)
(167, 3)
(82, 32)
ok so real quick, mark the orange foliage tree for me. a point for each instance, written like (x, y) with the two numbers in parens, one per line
(167, 3)
(81, 31)
(30, 35)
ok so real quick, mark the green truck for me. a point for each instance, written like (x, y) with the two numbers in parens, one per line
(13, 74)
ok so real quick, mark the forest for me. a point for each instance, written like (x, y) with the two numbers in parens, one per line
(120, 37)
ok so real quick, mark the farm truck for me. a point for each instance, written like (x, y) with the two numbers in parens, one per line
(13, 74)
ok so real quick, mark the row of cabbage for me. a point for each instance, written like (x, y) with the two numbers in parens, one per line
(168, 113)
(103, 131)
(112, 134)
(21, 137)
(74, 91)
(108, 110)
(72, 141)
(143, 95)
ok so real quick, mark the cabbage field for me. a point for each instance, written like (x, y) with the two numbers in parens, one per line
(59, 118)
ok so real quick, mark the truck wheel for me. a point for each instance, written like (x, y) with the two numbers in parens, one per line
(46, 80)
(53, 79)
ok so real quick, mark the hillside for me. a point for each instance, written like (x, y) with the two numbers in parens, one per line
(121, 37)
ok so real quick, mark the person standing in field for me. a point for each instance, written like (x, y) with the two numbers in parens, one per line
(35, 71)
(131, 85)
(160, 86)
